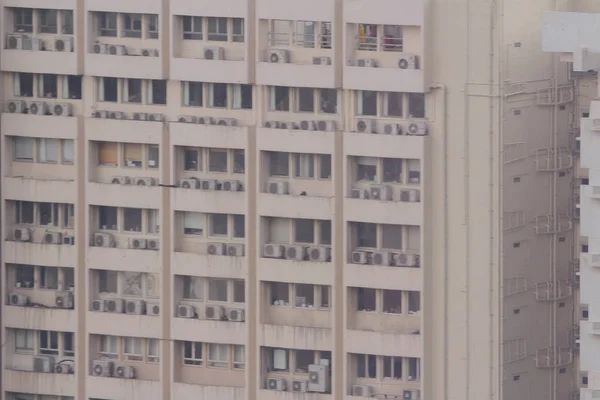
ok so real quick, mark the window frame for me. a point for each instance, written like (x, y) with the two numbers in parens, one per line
(193, 360)
(196, 32)
(28, 340)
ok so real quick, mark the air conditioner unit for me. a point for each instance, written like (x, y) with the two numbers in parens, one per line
(140, 116)
(214, 312)
(102, 368)
(187, 119)
(153, 244)
(365, 126)
(273, 250)
(236, 315)
(191, 183)
(280, 56)
(392, 129)
(308, 125)
(62, 109)
(417, 128)
(33, 44)
(299, 386)
(226, 122)
(18, 299)
(99, 305)
(381, 258)
(231, 186)
(149, 52)
(235, 250)
(116, 306)
(156, 117)
(117, 50)
(272, 124)
(144, 182)
(359, 194)
(278, 187)
(325, 126)
(362, 390)
(214, 53)
(53, 238)
(137, 307)
(295, 252)
(153, 309)
(209, 184)
(410, 195)
(318, 378)
(319, 253)
(16, 106)
(184, 311)
(117, 115)
(63, 369)
(100, 48)
(38, 108)
(408, 61)
(63, 300)
(215, 249)
(70, 240)
(411, 395)
(22, 234)
(277, 384)
(380, 192)
(63, 44)
(366, 62)
(124, 372)
(103, 240)
(405, 260)
(136, 243)
(100, 114)
(43, 364)
(120, 180)
(321, 60)
(206, 121)
(360, 257)
(15, 42)
(290, 125)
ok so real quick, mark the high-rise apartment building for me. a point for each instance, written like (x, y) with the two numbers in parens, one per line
(283, 199)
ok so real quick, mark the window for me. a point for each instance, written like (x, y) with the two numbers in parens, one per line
(328, 101)
(107, 218)
(71, 87)
(193, 223)
(67, 22)
(366, 299)
(279, 164)
(304, 295)
(392, 367)
(47, 21)
(49, 278)
(392, 301)
(217, 160)
(48, 214)
(24, 148)
(23, 341)
(152, 26)
(278, 358)
(24, 276)
(239, 226)
(239, 162)
(414, 302)
(239, 291)
(391, 236)
(133, 349)
(305, 34)
(153, 350)
(324, 299)
(23, 84)
(107, 281)
(193, 288)
(218, 224)
(217, 95)
(48, 86)
(153, 156)
(303, 359)
(68, 212)
(107, 24)
(366, 103)
(24, 212)
(192, 160)
(23, 19)
(366, 366)
(392, 38)
(48, 342)
(280, 294)
(218, 355)
(69, 278)
(279, 98)
(217, 29)
(192, 94)
(153, 221)
(242, 97)
(192, 28)
(217, 289)
(306, 99)
(109, 346)
(325, 232)
(413, 368)
(132, 90)
(393, 104)
(107, 153)
(238, 30)
(132, 25)
(366, 234)
(192, 353)
(132, 219)
(69, 344)
(48, 150)
(416, 105)
(68, 153)
(108, 89)
(157, 93)
(324, 166)
(304, 231)
(392, 170)
(132, 154)
(304, 165)
(239, 356)
(131, 284)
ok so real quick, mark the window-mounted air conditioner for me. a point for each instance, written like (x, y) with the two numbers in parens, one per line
(53, 238)
(272, 124)
(273, 250)
(185, 311)
(295, 252)
(124, 372)
(16, 106)
(209, 184)
(277, 384)
(120, 180)
(116, 306)
(231, 186)
(38, 108)
(364, 126)
(138, 116)
(321, 60)
(410, 195)
(382, 258)
(62, 109)
(226, 122)
(137, 243)
(236, 314)
(362, 390)
(299, 386)
(100, 48)
(206, 121)
(360, 257)
(235, 250)
(156, 117)
(103, 240)
(64, 44)
(63, 369)
(319, 253)
(190, 183)
(153, 309)
(290, 126)
(117, 115)
(187, 119)
(318, 378)
(15, 41)
(408, 61)
(63, 300)
(102, 368)
(22, 234)
(405, 259)
(359, 194)
(278, 187)
(380, 192)
(69, 240)
(214, 312)
(325, 126)
(99, 305)
(280, 56)
(144, 181)
(149, 53)
(308, 125)
(137, 307)
(214, 53)
(153, 244)
(100, 114)
(215, 249)
(366, 62)
(18, 299)
(417, 128)
(392, 129)
(43, 364)
(117, 50)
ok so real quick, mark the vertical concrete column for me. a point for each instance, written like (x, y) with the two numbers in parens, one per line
(166, 243)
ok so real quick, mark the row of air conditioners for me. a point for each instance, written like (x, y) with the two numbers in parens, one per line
(39, 108)
(384, 192)
(136, 180)
(121, 306)
(24, 235)
(318, 381)
(385, 258)
(121, 50)
(414, 128)
(368, 391)
(211, 184)
(297, 252)
(25, 42)
(405, 61)
(282, 56)
(213, 312)
(62, 299)
(105, 368)
(307, 125)
(47, 364)
(143, 244)
(192, 119)
(138, 116)
(225, 249)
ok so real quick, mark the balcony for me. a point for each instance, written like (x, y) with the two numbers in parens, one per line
(40, 190)
(384, 277)
(383, 212)
(48, 61)
(51, 255)
(295, 141)
(311, 10)
(130, 389)
(397, 12)
(206, 392)
(21, 381)
(107, 323)
(390, 146)
(123, 259)
(42, 126)
(300, 68)
(117, 195)
(384, 323)
(294, 206)
(125, 66)
(111, 130)
(203, 70)
(208, 266)
(388, 343)
(209, 201)
(225, 8)
(280, 270)
(295, 337)
(210, 331)
(136, 6)
(40, 318)
(193, 135)
(60, 4)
